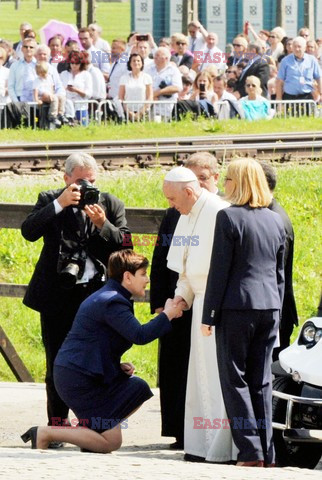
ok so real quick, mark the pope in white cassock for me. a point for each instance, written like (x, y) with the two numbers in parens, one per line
(207, 433)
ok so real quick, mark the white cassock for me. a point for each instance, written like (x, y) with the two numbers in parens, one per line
(204, 402)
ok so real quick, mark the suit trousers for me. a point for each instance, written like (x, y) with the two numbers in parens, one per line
(54, 329)
(245, 340)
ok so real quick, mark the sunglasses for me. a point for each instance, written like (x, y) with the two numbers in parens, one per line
(237, 45)
(28, 47)
(250, 85)
(230, 71)
(181, 43)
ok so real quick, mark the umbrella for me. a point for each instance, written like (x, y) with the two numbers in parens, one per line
(54, 27)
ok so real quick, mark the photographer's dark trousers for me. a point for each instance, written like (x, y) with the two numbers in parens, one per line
(54, 329)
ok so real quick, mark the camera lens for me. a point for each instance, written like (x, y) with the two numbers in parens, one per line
(68, 275)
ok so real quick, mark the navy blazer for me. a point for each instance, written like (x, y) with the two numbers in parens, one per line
(103, 329)
(247, 264)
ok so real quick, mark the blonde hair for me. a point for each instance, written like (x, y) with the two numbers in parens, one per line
(249, 184)
(41, 67)
(256, 81)
(4, 54)
(279, 32)
(207, 76)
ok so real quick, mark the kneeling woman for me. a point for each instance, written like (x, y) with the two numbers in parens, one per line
(88, 374)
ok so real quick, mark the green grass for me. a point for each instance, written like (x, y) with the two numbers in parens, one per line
(184, 128)
(114, 17)
(298, 190)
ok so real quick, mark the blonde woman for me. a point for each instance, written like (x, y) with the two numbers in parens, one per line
(243, 300)
(275, 41)
(203, 92)
(254, 106)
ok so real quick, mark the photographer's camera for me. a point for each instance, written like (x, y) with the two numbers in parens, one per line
(89, 193)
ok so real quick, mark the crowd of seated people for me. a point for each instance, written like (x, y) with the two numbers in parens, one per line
(188, 70)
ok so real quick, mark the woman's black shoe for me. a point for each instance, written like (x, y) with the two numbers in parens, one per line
(30, 434)
(193, 458)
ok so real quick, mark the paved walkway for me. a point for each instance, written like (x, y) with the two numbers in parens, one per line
(144, 455)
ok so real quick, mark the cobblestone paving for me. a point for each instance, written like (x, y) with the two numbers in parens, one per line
(144, 455)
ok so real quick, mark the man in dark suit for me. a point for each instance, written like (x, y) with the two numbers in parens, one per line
(77, 245)
(257, 65)
(289, 314)
(174, 347)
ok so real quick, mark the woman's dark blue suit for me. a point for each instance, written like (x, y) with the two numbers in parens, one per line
(243, 299)
(87, 371)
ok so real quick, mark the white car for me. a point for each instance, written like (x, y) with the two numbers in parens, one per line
(297, 399)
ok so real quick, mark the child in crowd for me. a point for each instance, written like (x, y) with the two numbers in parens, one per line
(43, 90)
(186, 88)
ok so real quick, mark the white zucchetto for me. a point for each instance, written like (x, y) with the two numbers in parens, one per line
(180, 174)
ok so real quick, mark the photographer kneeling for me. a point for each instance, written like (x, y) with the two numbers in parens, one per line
(80, 228)
(89, 375)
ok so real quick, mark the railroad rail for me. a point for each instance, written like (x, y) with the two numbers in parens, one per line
(30, 157)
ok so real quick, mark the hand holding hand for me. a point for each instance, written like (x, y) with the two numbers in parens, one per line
(206, 330)
(172, 309)
(70, 196)
(180, 300)
(128, 368)
(96, 214)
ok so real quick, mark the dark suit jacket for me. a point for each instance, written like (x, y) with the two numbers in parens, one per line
(289, 313)
(186, 60)
(247, 264)
(103, 329)
(44, 292)
(259, 69)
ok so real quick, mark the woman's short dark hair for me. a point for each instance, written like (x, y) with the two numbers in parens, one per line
(129, 61)
(80, 58)
(125, 261)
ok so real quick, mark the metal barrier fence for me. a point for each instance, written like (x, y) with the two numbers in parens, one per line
(144, 111)
(32, 114)
(295, 108)
(102, 112)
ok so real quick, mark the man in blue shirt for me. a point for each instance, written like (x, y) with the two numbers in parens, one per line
(23, 73)
(296, 75)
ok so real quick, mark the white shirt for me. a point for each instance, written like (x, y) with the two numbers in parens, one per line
(98, 82)
(172, 76)
(103, 45)
(196, 44)
(212, 56)
(4, 75)
(82, 81)
(135, 89)
(118, 69)
(224, 110)
(45, 86)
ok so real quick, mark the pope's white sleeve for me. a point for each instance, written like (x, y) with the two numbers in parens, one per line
(184, 289)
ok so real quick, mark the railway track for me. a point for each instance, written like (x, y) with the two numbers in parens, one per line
(30, 157)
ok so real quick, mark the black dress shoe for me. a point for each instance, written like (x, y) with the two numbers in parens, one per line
(30, 434)
(177, 445)
(193, 458)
